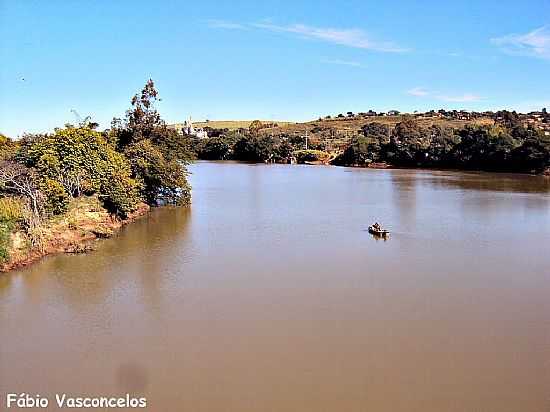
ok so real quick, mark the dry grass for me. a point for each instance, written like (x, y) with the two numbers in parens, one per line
(72, 232)
(235, 124)
(348, 126)
(11, 209)
(337, 124)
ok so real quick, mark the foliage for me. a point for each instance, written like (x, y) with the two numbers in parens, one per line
(442, 142)
(216, 148)
(139, 158)
(361, 151)
(303, 156)
(377, 131)
(57, 198)
(254, 149)
(142, 119)
(160, 179)
(505, 146)
(532, 156)
(409, 143)
(283, 151)
(74, 161)
(18, 180)
(172, 145)
(5, 241)
(11, 214)
(7, 148)
(156, 154)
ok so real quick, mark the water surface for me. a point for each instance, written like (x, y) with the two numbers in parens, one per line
(268, 294)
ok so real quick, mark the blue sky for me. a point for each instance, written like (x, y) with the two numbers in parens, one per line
(282, 60)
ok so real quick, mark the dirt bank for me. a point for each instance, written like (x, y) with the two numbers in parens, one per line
(75, 232)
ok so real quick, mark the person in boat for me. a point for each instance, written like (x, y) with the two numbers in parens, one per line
(377, 226)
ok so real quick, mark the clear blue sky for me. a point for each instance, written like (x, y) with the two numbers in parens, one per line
(283, 60)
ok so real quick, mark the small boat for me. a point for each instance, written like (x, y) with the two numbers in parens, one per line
(378, 232)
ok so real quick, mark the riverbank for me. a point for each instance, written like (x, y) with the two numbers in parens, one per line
(386, 165)
(85, 222)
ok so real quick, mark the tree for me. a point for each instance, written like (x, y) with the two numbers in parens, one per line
(16, 179)
(143, 118)
(283, 151)
(7, 147)
(80, 160)
(214, 149)
(378, 131)
(253, 148)
(161, 180)
(532, 156)
(174, 146)
(408, 144)
(157, 154)
(442, 142)
(356, 154)
(507, 119)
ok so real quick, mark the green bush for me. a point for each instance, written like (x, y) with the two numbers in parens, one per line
(161, 180)
(57, 199)
(7, 147)
(120, 195)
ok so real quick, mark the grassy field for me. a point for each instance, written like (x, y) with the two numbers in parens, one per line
(336, 133)
(235, 124)
(342, 124)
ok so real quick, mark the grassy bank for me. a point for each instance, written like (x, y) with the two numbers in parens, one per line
(76, 231)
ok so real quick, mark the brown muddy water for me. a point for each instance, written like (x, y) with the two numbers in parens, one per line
(269, 294)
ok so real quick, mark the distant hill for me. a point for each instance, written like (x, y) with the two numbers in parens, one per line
(234, 124)
(346, 123)
(341, 129)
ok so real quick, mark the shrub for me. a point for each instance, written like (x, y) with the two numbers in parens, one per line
(161, 180)
(5, 240)
(120, 195)
(57, 199)
(310, 155)
(7, 147)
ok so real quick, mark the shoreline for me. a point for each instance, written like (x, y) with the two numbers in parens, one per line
(388, 166)
(68, 235)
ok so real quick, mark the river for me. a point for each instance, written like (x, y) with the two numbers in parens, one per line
(269, 294)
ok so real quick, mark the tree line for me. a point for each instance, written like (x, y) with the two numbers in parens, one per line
(503, 147)
(506, 146)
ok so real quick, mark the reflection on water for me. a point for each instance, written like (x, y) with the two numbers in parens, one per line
(270, 294)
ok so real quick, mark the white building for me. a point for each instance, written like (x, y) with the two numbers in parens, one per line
(188, 128)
